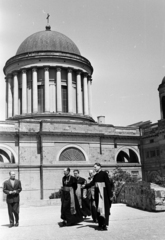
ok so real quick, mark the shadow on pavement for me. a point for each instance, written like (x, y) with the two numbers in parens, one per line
(5, 225)
(61, 224)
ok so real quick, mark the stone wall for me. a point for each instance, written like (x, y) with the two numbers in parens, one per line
(143, 195)
(107, 155)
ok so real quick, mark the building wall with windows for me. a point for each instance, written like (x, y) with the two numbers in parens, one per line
(153, 144)
(153, 152)
(39, 151)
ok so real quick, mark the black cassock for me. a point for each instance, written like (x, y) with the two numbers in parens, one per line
(103, 195)
(83, 199)
(91, 197)
(70, 210)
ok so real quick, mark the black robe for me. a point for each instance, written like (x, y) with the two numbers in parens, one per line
(69, 213)
(103, 195)
(83, 198)
(91, 197)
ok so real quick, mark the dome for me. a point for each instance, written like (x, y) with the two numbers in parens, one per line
(48, 41)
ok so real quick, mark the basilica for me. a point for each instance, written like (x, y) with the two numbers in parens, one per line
(49, 123)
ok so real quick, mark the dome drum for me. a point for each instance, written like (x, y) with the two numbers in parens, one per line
(46, 91)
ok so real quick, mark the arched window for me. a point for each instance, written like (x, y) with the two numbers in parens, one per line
(154, 176)
(6, 156)
(1, 158)
(127, 155)
(72, 154)
(163, 106)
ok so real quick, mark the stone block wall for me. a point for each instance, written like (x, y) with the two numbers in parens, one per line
(30, 179)
(107, 155)
(143, 195)
(29, 155)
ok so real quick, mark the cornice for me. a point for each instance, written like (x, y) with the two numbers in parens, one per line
(64, 164)
(62, 133)
(46, 54)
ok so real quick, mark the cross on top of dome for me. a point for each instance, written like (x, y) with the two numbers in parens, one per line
(48, 28)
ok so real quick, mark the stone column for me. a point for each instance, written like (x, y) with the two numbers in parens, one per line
(10, 104)
(46, 89)
(70, 106)
(79, 95)
(58, 88)
(24, 91)
(85, 92)
(89, 96)
(15, 93)
(35, 92)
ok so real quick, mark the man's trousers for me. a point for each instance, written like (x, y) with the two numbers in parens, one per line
(13, 211)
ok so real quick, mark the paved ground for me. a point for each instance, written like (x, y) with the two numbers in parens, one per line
(41, 223)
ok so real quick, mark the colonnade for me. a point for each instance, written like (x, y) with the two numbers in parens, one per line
(15, 102)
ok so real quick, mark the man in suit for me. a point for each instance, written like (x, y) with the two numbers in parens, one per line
(12, 188)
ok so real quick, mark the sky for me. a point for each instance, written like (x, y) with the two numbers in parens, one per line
(123, 39)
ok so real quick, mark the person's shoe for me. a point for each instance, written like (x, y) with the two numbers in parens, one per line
(99, 227)
(104, 228)
(11, 225)
(17, 224)
(63, 224)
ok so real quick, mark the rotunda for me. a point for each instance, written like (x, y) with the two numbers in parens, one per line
(49, 122)
(48, 79)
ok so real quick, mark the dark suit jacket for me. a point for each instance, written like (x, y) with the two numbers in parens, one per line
(7, 187)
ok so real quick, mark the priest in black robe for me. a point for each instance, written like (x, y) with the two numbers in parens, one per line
(103, 195)
(70, 210)
(81, 194)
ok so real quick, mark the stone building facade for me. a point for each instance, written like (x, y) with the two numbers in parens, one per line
(153, 144)
(49, 122)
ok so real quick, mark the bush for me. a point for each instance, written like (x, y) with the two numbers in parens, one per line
(159, 180)
(55, 195)
(120, 177)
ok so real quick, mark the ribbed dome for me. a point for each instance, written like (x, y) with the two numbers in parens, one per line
(48, 41)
